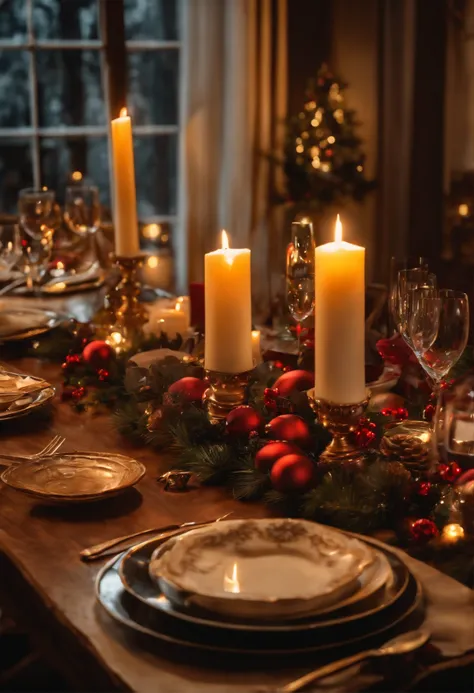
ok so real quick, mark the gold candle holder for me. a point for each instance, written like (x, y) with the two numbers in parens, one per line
(126, 315)
(225, 392)
(342, 420)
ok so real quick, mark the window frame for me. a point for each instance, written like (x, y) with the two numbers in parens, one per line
(113, 49)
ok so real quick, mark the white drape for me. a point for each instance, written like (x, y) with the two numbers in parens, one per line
(233, 100)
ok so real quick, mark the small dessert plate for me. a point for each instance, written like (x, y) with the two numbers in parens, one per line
(75, 477)
(263, 569)
(24, 323)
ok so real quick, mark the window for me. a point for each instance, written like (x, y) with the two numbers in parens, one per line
(66, 67)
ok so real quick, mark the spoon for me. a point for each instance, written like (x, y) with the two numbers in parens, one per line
(402, 644)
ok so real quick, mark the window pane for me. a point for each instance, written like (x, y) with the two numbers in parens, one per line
(14, 89)
(61, 156)
(155, 170)
(13, 20)
(65, 19)
(16, 172)
(151, 19)
(69, 88)
(153, 87)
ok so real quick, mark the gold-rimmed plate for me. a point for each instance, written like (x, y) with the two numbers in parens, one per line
(137, 617)
(78, 477)
(24, 323)
(27, 403)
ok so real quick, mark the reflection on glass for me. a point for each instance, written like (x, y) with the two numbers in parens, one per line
(300, 260)
(37, 220)
(82, 216)
(396, 265)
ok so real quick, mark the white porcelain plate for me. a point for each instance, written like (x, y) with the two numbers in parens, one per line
(266, 569)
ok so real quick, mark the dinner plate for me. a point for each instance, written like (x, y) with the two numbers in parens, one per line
(133, 571)
(137, 617)
(76, 477)
(265, 569)
(17, 388)
(24, 323)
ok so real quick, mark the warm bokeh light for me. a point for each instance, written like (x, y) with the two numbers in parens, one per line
(151, 231)
(225, 240)
(123, 112)
(452, 533)
(463, 210)
(338, 230)
(152, 262)
(76, 176)
(178, 305)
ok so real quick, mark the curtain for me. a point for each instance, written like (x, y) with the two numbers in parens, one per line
(233, 103)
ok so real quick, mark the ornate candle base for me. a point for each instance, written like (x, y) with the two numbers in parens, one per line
(342, 420)
(124, 315)
(226, 391)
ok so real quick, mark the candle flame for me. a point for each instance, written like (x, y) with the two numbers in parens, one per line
(225, 240)
(177, 306)
(231, 584)
(123, 112)
(338, 230)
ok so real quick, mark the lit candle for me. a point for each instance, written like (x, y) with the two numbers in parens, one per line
(125, 201)
(228, 345)
(256, 349)
(339, 321)
(173, 321)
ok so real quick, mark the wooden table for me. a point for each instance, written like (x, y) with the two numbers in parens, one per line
(50, 591)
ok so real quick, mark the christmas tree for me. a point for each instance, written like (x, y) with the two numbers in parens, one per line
(323, 157)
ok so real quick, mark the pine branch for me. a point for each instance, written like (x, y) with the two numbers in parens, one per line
(211, 463)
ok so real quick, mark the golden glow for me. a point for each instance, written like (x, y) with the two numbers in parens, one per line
(360, 168)
(225, 240)
(424, 437)
(60, 265)
(331, 139)
(151, 231)
(338, 230)
(123, 112)
(316, 163)
(325, 167)
(44, 188)
(178, 306)
(152, 262)
(452, 533)
(300, 149)
(255, 333)
(463, 210)
(231, 584)
(76, 176)
(116, 338)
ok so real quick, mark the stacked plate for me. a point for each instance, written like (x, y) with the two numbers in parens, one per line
(20, 394)
(24, 323)
(260, 587)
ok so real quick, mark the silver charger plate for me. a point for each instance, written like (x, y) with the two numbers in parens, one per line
(40, 321)
(28, 403)
(136, 616)
(76, 477)
(133, 572)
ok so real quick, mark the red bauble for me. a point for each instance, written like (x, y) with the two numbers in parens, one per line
(98, 354)
(366, 433)
(78, 393)
(294, 381)
(423, 488)
(291, 428)
(103, 375)
(243, 420)
(271, 453)
(188, 389)
(423, 530)
(429, 412)
(293, 473)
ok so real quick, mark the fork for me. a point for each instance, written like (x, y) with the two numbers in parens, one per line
(49, 449)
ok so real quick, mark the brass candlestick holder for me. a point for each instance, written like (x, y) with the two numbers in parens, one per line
(342, 420)
(225, 392)
(126, 315)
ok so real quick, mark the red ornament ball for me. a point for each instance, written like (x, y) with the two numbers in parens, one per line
(291, 428)
(243, 420)
(423, 488)
(449, 472)
(429, 412)
(293, 473)
(188, 389)
(78, 393)
(271, 453)
(423, 530)
(294, 381)
(98, 354)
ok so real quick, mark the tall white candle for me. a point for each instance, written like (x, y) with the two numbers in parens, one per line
(228, 345)
(340, 321)
(125, 200)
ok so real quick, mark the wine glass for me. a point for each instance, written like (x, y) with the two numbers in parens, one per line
(37, 222)
(82, 216)
(438, 328)
(411, 289)
(300, 260)
(10, 249)
(397, 265)
(456, 437)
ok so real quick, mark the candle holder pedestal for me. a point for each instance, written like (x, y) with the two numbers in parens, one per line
(225, 392)
(124, 314)
(342, 420)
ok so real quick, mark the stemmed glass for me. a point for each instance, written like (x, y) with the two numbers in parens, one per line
(412, 284)
(82, 216)
(10, 249)
(300, 272)
(397, 265)
(36, 208)
(438, 327)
